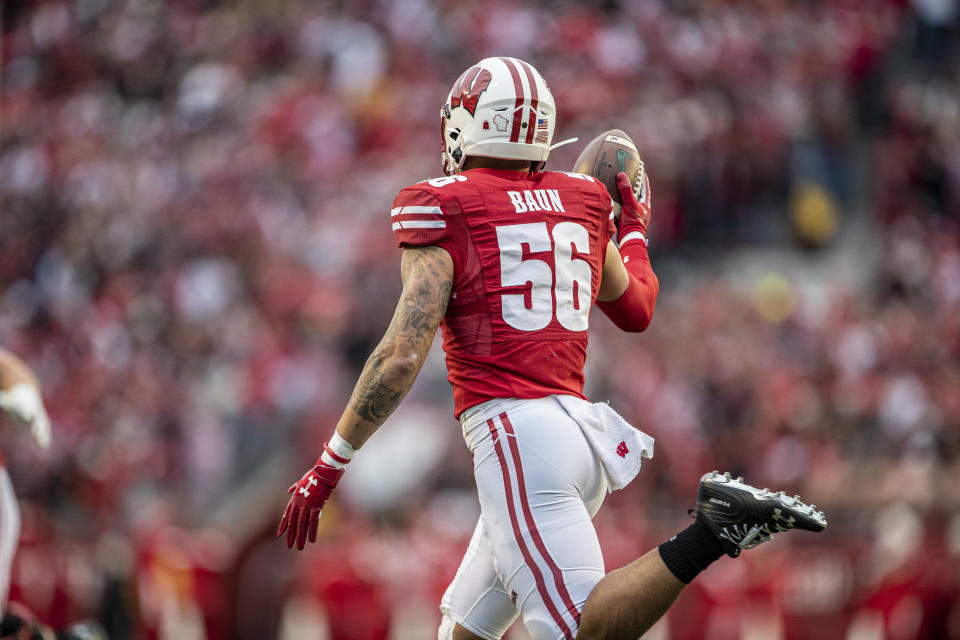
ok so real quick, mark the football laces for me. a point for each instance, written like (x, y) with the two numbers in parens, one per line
(639, 184)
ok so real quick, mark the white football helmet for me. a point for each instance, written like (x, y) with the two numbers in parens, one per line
(498, 108)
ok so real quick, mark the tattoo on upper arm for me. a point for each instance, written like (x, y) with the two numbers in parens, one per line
(427, 285)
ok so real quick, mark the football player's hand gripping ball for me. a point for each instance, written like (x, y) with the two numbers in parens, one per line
(637, 202)
(302, 515)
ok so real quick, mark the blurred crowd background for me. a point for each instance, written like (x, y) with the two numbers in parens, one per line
(195, 257)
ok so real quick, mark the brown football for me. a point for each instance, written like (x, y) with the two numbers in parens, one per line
(607, 155)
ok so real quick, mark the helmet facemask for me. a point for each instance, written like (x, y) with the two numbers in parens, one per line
(451, 153)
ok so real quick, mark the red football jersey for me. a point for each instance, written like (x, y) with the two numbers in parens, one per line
(528, 251)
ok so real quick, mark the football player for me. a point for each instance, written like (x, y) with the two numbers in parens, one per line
(19, 399)
(509, 259)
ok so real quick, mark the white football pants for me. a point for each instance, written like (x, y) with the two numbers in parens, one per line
(9, 533)
(534, 551)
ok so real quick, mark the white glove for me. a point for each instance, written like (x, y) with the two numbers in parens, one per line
(22, 401)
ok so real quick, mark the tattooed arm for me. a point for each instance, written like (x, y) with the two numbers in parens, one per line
(393, 366)
(388, 375)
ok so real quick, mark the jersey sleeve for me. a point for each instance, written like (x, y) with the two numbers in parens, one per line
(417, 218)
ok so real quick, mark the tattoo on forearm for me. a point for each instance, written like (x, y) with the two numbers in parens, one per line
(394, 364)
(373, 399)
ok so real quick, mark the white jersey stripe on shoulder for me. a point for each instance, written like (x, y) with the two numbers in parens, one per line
(396, 211)
(421, 224)
(633, 235)
(415, 209)
(397, 225)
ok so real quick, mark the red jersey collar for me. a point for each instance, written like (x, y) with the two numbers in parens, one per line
(510, 174)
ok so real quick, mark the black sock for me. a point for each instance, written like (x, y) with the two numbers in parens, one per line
(690, 551)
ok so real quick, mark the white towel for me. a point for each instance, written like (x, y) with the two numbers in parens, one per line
(616, 443)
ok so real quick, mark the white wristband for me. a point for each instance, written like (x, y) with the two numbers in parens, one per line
(633, 235)
(338, 452)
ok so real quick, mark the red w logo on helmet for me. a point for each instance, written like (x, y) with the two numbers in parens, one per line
(466, 92)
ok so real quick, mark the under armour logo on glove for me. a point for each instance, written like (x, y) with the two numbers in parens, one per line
(301, 518)
(622, 450)
(305, 490)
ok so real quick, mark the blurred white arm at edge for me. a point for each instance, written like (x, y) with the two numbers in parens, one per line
(20, 397)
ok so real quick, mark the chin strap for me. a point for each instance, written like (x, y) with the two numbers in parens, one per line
(539, 166)
(560, 144)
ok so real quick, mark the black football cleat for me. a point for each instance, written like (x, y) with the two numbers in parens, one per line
(742, 516)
